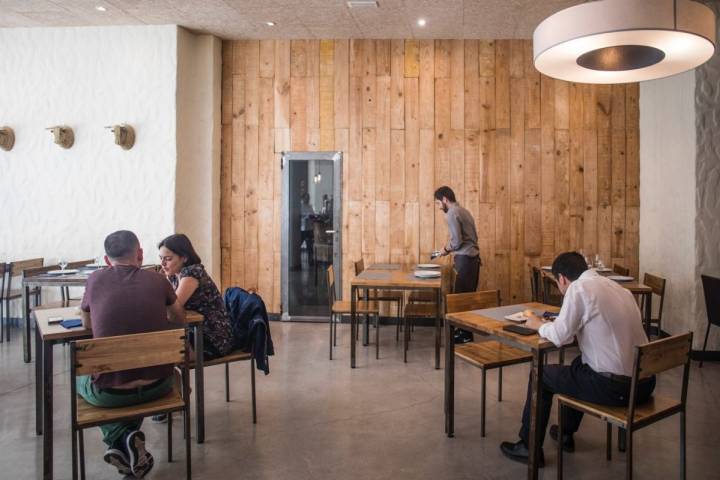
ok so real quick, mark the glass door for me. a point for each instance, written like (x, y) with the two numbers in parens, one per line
(311, 232)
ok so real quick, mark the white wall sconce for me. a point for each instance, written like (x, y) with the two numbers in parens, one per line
(124, 135)
(63, 135)
(7, 138)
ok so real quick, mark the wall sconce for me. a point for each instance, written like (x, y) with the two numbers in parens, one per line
(7, 138)
(317, 178)
(124, 135)
(63, 135)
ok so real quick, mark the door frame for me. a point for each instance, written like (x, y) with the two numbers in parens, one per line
(285, 157)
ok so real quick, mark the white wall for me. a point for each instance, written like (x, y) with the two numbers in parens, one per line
(667, 194)
(197, 212)
(58, 202)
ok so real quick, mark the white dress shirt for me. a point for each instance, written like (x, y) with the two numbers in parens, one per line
(606, 321)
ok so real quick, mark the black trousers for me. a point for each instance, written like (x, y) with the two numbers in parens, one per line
(468, 271)
(579, 381)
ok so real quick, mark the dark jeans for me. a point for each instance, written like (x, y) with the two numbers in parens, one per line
(578, 380)
(468, 271)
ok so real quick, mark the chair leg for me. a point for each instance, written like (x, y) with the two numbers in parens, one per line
(608, 442)
(169, 434)
(683, 465)
(227, 382)
(187, 443)
(559, 442)
(482, 403)
(629, 455)
(81, 434)
(252, 387)
(707, 332)
(500, 384)
(406, 338)
(330, 324)
(74, 449)
(336, 319)
(377, 336)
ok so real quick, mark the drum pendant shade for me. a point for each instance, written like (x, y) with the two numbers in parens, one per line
(621, 41)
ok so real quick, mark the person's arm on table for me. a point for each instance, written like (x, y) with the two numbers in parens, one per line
(566, 325)
(176, 313)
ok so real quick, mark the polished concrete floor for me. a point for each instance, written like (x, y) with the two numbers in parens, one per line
(318, 419)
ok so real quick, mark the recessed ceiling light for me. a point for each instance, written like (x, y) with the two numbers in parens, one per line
(100, 8)
(270, 24)
(422, 22)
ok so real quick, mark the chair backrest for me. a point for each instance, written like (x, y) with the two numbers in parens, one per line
(34, 272)
(17, 268)
(711, 288)
(535, 283)
(331, 285)
(620, 270)
(463, 302)
(359, 266)
(657, 284)
(126, 352)
(551, 294)
(80, 263)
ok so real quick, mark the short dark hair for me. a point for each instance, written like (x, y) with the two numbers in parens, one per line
(446, 192)
(570, 265)
(121, 244)
(180, 244)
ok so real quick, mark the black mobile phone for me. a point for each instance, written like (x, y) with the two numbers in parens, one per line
(519, 330)
(549, 315)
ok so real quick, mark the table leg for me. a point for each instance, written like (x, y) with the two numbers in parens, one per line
(449, 380)
(47, 360)
(648, 314)
(366, 328)
(27, 340)
(38, 383)
(438, 334)
(353, 320)
(199, 384)
(535, 433)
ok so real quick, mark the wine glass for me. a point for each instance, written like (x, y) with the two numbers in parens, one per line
(63, 263)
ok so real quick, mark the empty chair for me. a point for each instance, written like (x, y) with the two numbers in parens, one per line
(126, 352)
(338, 308)
(657, 284)
(711, 288)
(8, 294)
(484, 355)
(620, 270)
(535, 275)
(650, 359)
(550, 293)
(390, 296)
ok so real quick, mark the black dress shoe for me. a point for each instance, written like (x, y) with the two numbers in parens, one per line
(518, 452)
(462, 336)
(568, 442)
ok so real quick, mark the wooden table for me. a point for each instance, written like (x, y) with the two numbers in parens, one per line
(388, 276)
(636, 288)
(479, 321)
(47, 335)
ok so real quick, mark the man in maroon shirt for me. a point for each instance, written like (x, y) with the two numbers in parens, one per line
(123, 299)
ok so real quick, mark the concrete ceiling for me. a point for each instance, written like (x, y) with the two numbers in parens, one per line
(235, 19)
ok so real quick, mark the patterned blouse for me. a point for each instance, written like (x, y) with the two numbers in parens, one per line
(206, 300)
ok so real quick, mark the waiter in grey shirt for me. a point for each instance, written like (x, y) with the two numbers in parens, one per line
(463, 245)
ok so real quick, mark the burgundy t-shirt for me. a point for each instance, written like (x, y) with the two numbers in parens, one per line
(123, 300)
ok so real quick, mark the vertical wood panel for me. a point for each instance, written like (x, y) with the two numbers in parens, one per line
(543, 165)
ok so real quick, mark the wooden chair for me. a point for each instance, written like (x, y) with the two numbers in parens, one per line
(620, 270)
(338, 308)
(390, 296)
(125, 352)
(486, 355)
(711, 288)
(550, 293)
(63, 302)
(657, 284)
(650, 359)
(535, 276)
(65, 291)
(16, 269)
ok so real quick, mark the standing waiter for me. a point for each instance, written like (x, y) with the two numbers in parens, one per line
(463, 245)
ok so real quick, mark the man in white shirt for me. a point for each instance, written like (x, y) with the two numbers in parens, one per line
(606, 321)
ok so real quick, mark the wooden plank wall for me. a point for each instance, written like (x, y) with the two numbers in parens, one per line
(545, 166)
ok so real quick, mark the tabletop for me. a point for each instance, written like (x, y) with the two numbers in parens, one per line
(485, 322)
(55, 331)
(396, 276)
(634, 286)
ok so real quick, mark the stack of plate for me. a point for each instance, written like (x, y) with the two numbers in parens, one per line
(427, 273)
(620, 278)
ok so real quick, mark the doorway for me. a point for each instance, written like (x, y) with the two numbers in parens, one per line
(311, 219)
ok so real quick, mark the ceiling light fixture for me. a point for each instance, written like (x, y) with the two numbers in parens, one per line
(100, 8)
(270, 24)
(620, 41)
(422, 22)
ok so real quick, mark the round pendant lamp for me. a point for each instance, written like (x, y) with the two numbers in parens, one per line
(620, 41)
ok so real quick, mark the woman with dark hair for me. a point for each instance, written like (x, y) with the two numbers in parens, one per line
(195, 290)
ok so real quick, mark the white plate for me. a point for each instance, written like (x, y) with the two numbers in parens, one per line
(518, 317)
(604, 270)
(620, 278)
(427, 274)
(428, 266)
(68, 271)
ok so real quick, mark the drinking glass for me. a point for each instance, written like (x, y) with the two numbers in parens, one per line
(63, 263)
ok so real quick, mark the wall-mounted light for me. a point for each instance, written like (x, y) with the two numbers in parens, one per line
(7, 138)
(63, 135)
(124, 135)
(317, 178)
(270, 24)
(421, 22)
